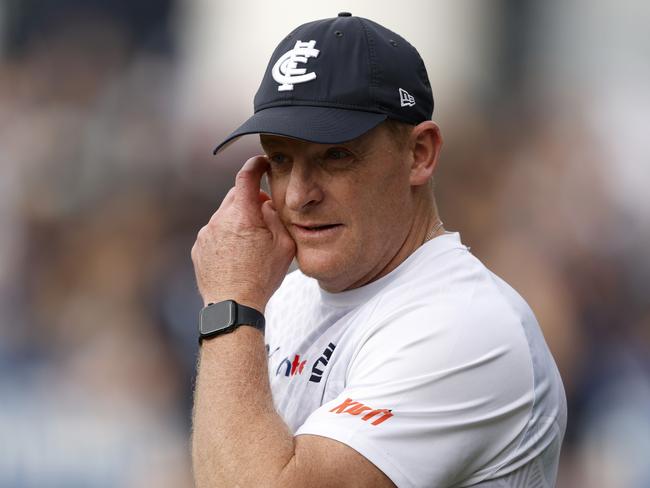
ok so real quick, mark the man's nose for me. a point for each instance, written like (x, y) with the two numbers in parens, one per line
(303, 190)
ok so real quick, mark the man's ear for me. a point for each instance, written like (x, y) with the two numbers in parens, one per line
(425, 143)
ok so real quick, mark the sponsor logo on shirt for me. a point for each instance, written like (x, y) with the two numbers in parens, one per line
(291, 368)
(288, 367)
(317, 370)
(357, 408)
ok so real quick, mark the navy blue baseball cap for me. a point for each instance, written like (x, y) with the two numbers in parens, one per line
(332, 80)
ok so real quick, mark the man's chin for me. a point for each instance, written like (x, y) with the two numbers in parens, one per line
(320, 264)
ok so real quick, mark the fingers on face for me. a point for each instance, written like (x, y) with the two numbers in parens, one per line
(248, 179)
(263, 196)
(275, 225)
(246, 193)
(230, 196)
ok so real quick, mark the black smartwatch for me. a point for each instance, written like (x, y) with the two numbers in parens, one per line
(226, 316)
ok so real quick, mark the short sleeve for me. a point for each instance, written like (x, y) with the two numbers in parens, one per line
(433, 398)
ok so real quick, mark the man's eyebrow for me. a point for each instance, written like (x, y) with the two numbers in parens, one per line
(271, 142)
(361, 143)
(267, 143)
(358, 144)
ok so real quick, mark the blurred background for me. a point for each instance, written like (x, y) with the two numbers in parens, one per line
(109, 110)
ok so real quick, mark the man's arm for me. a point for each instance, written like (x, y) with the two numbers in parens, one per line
(238, 438)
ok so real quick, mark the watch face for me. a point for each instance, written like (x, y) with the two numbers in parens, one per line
(217, 317)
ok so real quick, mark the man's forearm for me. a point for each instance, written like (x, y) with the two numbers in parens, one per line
(238, 438)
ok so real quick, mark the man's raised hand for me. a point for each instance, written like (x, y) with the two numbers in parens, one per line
(244, 251)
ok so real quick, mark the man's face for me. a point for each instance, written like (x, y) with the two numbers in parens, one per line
(348, 206)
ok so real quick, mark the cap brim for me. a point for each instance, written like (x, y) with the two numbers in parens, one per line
(322, 125)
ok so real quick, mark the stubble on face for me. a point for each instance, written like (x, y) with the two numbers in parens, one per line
(369, 195)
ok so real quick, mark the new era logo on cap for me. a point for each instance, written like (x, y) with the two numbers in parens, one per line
(405, 98)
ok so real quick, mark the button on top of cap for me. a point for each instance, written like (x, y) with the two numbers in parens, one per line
(345, 14)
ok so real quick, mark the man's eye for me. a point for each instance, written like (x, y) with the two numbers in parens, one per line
(337, 154)
(278, 158)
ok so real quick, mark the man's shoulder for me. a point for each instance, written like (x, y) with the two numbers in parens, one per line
(446, 300)
(460, 280)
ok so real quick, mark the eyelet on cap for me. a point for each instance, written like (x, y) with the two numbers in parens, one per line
(338, 34)
(392, 42)
(345, 14)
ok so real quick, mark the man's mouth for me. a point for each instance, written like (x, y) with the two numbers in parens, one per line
(313, 230)
(317, 227)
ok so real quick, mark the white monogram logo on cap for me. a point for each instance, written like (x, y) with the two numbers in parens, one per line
(286, 71)
(405, 98)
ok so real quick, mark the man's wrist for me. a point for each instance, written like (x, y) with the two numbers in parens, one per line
(226, 316)
(257, 303)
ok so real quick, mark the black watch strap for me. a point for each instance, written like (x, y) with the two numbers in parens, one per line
(222, 317)
(250, 316)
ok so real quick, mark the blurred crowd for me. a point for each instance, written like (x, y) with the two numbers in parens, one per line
(100, 202)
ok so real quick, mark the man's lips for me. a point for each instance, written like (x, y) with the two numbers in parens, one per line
(313, 226)
(314, 230)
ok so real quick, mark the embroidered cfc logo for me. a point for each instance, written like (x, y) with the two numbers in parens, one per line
(285, 70)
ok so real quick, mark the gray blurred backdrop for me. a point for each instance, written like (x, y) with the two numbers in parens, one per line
(109, 110)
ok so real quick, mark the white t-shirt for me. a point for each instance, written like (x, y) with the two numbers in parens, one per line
(437, 373)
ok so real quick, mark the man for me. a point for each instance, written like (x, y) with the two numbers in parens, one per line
(393, 356)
